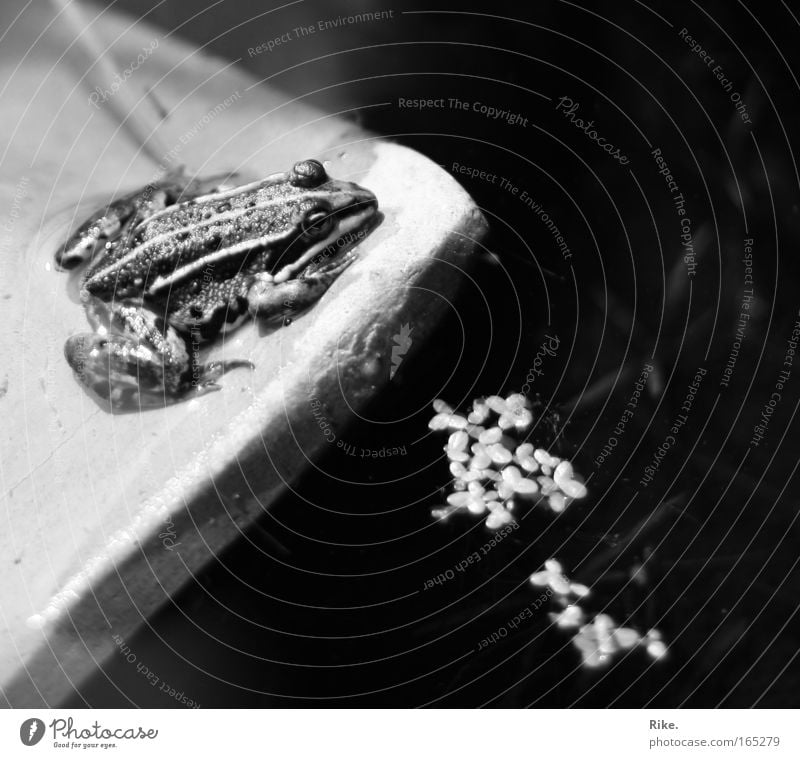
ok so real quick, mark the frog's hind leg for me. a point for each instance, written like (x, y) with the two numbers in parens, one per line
(104, 226)
(138, 361)
(132, 361)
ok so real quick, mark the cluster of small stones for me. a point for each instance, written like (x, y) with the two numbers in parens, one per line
(491, 468)
(600, 639)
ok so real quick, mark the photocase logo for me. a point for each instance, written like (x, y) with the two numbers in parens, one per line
(31, 731)
(402, 346)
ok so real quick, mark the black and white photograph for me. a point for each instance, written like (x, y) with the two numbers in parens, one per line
(400, 357)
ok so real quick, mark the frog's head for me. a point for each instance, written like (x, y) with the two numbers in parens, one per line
(329, 216)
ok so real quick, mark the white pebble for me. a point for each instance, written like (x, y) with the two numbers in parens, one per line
(547, 470)
(511, 474)
(626, 638)
(586, 643)
(474, 431)
(574, 489)
(499, 454)
(478, 417)
(606, 644)
(439, 421)
(557, 502)
(546, 483)
(581, 590)
(457, 469)
(472, 475)
(517, 400)
(490, 495)
(441, 407)
(524, 451)
(477, 507)
(656, 649)
(475, 488)
(506, 421)
(456, 422)
(523, 419)
(505, 490)
(459, 499)
(525, 486)
(563, 472)
(481, 460)
(551, 564)
(603, 622)
(529, 464)
(458, 440)
(496, 403)
(540, 578)
(570, 617)
(544, 457)
(490, 436)
(498, 518)
(457, 455)
(559, 584)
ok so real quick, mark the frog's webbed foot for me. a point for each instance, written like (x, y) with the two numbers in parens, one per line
(274, 302)
(136, 361)
(122, 370)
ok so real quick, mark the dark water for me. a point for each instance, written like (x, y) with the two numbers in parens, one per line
(338, 614)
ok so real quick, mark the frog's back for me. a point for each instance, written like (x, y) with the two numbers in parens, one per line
(213, 236)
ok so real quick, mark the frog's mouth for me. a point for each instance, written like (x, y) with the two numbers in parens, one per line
(354, 223)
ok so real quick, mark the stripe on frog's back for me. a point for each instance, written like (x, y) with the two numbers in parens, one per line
(192, 269)
(168, 240)
(238, 204)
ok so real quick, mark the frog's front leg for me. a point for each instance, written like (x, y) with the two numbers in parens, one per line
(275, 302)
(135, 360)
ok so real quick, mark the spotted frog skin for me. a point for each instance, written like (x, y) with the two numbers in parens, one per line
(177, 264)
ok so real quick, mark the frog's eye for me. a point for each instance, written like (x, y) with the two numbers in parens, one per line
(308, 173)
(317, 223)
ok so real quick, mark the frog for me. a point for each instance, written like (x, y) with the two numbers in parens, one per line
(173, 266)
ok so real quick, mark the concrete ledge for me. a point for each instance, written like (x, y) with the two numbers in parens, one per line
(108, 516)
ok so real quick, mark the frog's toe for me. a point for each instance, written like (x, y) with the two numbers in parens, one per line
(212, 371)
(206, 379)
